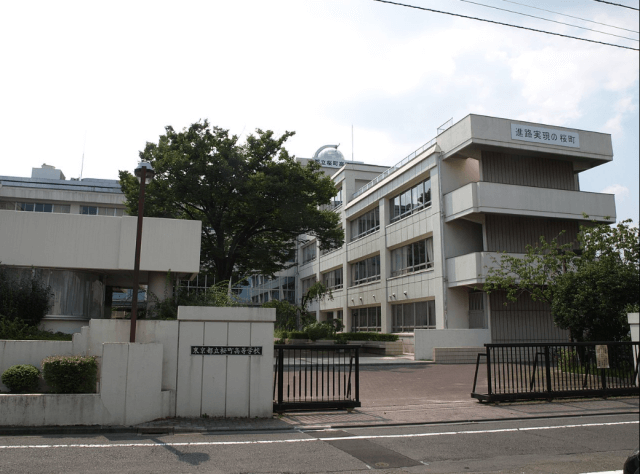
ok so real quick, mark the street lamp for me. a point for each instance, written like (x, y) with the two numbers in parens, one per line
(145, 173)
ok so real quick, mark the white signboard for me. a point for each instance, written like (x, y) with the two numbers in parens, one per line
(329, 163)
(602, 356)
(550, 136)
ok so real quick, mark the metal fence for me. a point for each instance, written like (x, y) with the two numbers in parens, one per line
(316, 377)
(547, 371)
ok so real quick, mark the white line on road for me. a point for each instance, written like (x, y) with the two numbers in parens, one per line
(306, 440)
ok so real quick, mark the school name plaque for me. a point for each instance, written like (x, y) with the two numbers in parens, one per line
(226, 350)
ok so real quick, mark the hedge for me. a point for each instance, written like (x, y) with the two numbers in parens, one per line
(70, 374)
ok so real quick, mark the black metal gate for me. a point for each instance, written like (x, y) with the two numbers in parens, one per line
(546, 371)
(316, 377)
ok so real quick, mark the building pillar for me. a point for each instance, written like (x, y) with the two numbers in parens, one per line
(160, 287)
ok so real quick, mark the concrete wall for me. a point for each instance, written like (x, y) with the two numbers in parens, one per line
(97, 242)
(130, 394)
(158, 376)
(426, 340)
(223, 385)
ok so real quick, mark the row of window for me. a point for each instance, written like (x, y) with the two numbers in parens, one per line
(60, 208)
(405, 317)
(408, 259)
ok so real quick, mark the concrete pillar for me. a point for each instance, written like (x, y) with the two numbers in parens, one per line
(160, 286)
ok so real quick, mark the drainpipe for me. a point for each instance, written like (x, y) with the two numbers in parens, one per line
(444, 263)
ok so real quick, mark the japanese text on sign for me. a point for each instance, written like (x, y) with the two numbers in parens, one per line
(550, 136)
(226, 350)
(329, 163)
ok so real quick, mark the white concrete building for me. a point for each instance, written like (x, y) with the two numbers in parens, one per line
(420, 235)
(75, 236)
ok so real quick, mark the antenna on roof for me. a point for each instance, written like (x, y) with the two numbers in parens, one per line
(83, 147)
(351, 142)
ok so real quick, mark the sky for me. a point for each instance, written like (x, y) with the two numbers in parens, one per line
(100, 79)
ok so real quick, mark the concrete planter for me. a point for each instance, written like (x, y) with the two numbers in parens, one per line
(380, 347)
(297, 341)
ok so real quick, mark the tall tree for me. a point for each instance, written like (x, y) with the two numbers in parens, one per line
(253, 198)
(589, 288)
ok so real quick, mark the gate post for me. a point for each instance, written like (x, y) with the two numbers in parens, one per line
(547, 366)
(280, 375)
(488, 371)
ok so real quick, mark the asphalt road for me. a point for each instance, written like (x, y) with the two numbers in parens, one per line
(558, 446)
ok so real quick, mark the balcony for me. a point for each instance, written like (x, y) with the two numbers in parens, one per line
(470, 269)
(495, 198)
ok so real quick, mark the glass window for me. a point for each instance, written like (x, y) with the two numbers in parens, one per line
(309, 253)
(365, 270)
(411, 200)
(409, 316)
(26, 206)
(365, 224)
(366, 319)
(412, 257)
(89, 210)
(333, 280)
(62, 208)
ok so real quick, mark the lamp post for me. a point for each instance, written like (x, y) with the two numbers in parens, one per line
(145, 173)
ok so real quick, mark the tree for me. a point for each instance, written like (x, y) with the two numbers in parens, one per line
(253, 198)
(290, 317)
(23, 297)
(588, 289)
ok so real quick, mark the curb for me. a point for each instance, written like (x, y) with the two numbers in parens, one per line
(171, 430)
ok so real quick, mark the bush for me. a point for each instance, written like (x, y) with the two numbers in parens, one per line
(320, 330)
(21, 378)
(25, 297)
(365, 336)
(70, 374)
(297, 335)
(18, 330)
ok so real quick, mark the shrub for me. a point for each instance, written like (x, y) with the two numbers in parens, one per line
(21, 378)
(70, 374)
(365, 336)
(18, 330)
(23, 297)
(297, 335)
(320, 330)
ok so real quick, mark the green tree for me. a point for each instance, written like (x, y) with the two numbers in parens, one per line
(253, 198)
(289, 316)
(23, 296)
(589, 289)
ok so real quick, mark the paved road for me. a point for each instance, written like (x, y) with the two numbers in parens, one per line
(559, 446)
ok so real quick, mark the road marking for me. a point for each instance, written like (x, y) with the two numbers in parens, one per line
(604, 472)
(307, 440)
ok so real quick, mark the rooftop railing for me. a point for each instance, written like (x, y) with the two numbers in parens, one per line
(395, 168)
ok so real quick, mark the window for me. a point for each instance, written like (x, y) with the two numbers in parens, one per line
(100, 211)
(409, 316)
(333, 280)
(309, 253)
(336, 201)
(326, 251)
(307, 283)
(38, 207)
(412, 258)
(411, 200)
(366, 319)
(365, 271)
(365, 224)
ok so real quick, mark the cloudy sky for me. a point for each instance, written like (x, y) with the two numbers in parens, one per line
(102, 78)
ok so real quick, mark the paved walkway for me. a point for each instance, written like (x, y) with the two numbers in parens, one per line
(399, 390)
